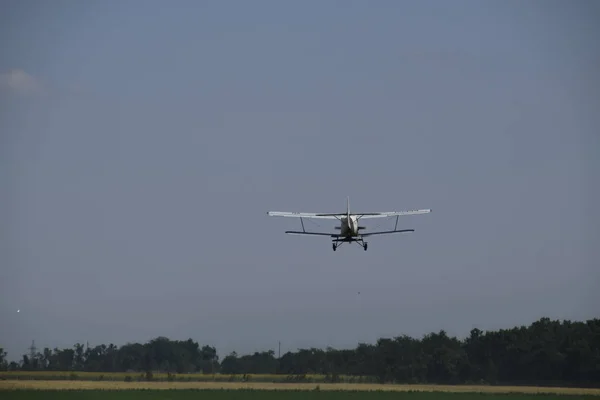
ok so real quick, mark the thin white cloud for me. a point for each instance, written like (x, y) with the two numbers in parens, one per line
(19, 81)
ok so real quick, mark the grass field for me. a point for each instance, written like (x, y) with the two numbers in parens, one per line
(263, 395)
(26, 386)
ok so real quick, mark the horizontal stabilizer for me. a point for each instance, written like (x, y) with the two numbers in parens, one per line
(311, 233)
(386, 232)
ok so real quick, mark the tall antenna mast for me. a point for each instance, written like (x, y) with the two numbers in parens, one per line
(32, 351)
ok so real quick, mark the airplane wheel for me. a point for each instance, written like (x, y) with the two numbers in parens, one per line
(365, 246)
(334, 247)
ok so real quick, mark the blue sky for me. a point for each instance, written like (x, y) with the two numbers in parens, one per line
(143, 143)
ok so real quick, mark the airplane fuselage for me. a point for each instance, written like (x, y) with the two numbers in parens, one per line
(349, 226)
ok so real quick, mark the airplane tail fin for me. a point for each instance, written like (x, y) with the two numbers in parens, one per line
(348, 207)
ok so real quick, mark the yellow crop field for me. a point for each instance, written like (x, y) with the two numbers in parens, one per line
(120, 385)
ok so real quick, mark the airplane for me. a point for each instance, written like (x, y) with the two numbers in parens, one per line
(350, 230)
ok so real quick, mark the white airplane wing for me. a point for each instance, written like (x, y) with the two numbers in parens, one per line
(304, 215)
(392, 213)
(341, 215)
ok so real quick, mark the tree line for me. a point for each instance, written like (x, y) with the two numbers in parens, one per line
(545, 352)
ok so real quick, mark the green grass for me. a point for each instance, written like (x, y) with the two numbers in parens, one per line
(262, 395)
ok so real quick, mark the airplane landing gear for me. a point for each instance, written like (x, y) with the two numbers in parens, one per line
(358, 241)
(362, 243)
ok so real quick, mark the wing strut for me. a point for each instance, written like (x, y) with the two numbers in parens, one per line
(302, 222)
(396, 226)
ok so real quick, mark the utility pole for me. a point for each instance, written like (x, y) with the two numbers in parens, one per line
(278, 357)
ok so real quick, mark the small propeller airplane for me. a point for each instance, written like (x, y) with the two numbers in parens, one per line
(349, 227)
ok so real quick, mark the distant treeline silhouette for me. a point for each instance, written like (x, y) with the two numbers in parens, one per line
(546, 352)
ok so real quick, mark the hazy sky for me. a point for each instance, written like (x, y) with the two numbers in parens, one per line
(142, 143)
